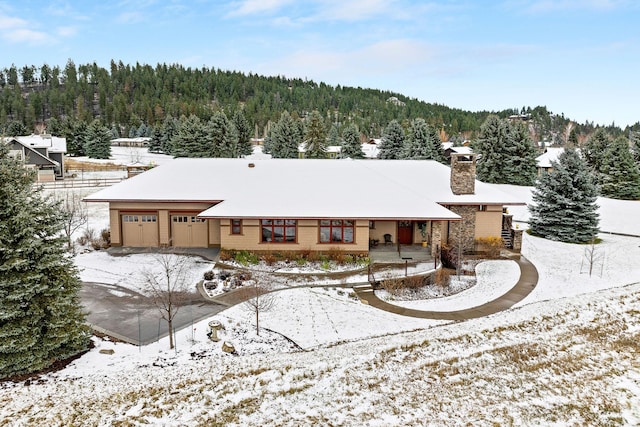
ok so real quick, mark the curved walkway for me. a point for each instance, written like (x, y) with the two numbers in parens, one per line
(524, 286)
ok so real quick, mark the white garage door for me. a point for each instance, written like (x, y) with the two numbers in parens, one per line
(189, 231)
(140, 230)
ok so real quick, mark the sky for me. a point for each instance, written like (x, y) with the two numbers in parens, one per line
(579, 58)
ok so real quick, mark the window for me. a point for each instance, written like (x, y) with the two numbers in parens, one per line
(196, 219)
(236, 226)
(279, 230)
(148, 218)
(372, 225)
(129, 218)
(336, 231)
(176, 218)
(482, 208)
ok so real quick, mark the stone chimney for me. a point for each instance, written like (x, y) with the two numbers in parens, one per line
(463, 173)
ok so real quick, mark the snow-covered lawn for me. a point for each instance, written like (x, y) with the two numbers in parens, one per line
(566, 355)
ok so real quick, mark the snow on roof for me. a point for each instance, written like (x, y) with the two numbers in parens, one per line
(294, 188)
(550, 155)
(53, 143)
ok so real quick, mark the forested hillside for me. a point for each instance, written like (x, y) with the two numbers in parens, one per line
(133, 99)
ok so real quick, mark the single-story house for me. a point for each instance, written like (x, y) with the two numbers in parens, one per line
(449, 149)
(139, 141)
(544, 161)
(43, 153)
(299, 205)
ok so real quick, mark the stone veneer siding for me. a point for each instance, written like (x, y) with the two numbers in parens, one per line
(463, 175)
(436, 238)
(467, 226)
(516, 238)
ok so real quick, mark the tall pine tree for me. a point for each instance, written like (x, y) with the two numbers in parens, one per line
(315, 137)
(98, 142)
(284, 138)
(351, 148)
(243, 147)
(620, 177)
(491, 147)
(564, 202)
(41, 320)
(392, 144)
(521, 163)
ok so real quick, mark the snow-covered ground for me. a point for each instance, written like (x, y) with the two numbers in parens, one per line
(566, 355)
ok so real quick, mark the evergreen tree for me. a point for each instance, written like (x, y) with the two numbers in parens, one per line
(594, 149)
(564, 199)
(315, 137)
(169, 129)
(333, 137)
(437, 150)
(244, 147)
(192, 139)
(520, 165)
(284, 138)
(155, 146)
(572, 140)
(98, 143)
(221, 140)
(351, 148)
(492, 147)
(41, 320)
(392, 144)
(507, 155)
(77, 135)
(620, 177)
(16, 128)
(417, 144)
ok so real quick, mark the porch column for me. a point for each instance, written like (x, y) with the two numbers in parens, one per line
(436, 237)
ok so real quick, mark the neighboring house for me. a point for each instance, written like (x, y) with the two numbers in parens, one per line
(449, 149)
(544, 161)
(333, 151)
(43, 153)
(140, 141)
(300, 205)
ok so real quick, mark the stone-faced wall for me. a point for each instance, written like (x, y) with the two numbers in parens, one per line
(463, 173)
(436, 237)
(467, 227)
(516, 238)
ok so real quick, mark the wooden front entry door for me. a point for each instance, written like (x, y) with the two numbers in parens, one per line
(405, 232)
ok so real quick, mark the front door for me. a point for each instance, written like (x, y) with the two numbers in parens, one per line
(405, 232)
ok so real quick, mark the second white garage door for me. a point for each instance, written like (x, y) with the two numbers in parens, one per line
(188, 231)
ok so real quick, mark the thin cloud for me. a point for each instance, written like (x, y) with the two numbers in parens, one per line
(252, 7)
(546, 6)
(24, 35)
(7, 22)
(129, 17)
(66, 31)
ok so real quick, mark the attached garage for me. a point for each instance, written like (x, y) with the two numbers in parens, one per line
(139, 230)
(189, 231)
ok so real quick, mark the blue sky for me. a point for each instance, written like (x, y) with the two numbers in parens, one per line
(577, 57)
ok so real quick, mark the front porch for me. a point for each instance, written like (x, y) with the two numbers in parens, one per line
(399, 254)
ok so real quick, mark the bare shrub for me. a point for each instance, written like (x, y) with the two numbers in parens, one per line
(443, 277)
(269, 258)
(492, 246)
(336, 254)
(227, 254)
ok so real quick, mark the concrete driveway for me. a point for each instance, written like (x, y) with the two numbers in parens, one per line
(132, 317)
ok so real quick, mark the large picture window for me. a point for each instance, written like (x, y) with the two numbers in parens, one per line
(336, 230)
(279, 230)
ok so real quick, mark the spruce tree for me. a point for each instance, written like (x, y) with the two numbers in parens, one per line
(417, 144)
(620, 177)
(437, 150)
(594, 149)
(520, 165)
(284, 138)
(392, 144)
(333, 137)
(98, 142)
(41, 320)
(492, 147)
(244, 147)
(192, 139)
(315, 137)
(564, 207)
(351, 148)
(221, 142)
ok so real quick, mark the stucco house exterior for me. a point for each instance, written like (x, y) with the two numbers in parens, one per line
(297, 205)
(43, 153)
